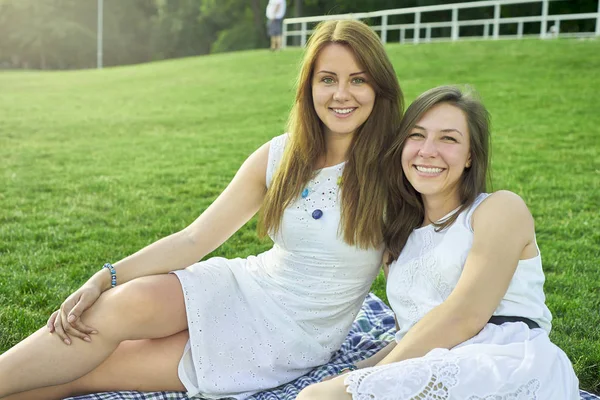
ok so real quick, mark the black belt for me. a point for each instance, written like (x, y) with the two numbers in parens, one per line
(500, 319)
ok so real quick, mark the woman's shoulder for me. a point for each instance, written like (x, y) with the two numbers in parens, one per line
(501, 199)
(502, 207)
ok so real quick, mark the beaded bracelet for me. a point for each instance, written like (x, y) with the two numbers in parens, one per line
(113, 274)
(349, 368)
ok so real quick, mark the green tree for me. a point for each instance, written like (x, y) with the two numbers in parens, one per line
(36, 34)
(235, 23)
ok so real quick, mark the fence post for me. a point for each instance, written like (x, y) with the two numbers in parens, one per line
(520, 30)
(486, 30)
(284, 36)
(100, 35)
(384, 24)
(496, 21)
(417, 27)
(428, 33)
(544, 27)
(303, 34)
(598, 20)
(402, 34)
(455, 27)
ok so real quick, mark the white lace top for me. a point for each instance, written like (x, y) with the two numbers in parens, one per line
(430, 266)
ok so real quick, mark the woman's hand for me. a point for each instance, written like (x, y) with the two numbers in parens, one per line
(66, 321)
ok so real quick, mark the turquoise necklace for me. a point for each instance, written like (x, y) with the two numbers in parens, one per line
(317, 213)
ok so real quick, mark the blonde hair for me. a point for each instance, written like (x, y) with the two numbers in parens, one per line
(405, 210)
(363, 194)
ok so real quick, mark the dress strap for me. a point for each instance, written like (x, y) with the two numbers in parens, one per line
(478, 200)
(276, 149)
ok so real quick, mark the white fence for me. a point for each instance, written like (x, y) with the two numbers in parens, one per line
(549, 24)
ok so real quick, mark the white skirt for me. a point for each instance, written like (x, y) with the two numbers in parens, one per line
(241, 341)
(506, 362)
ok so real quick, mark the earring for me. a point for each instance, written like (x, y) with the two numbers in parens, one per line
(468, 164)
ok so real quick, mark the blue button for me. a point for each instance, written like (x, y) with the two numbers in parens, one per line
(317, 214)
(305, 193)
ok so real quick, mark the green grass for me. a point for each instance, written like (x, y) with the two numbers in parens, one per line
(97, 164)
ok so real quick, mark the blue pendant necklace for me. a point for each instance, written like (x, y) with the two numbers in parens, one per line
(316, 213)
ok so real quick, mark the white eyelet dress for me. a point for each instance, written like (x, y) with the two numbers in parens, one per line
(502, 362)
(259, 322)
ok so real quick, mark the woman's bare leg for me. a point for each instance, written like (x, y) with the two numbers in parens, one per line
(145, 365)
(333, 389)
(146, 308)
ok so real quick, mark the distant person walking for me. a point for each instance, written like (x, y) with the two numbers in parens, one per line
(275, 13)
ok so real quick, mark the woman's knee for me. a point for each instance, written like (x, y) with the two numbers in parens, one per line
(138, 302)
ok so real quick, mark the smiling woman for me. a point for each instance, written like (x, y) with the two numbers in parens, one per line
(465, 276)
(322, 193)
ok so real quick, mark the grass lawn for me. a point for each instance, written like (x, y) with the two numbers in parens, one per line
(95, 165)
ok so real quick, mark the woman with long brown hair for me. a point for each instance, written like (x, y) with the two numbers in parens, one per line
(230, 328)
(465, 276)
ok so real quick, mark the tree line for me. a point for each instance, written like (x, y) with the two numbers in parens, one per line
(61, 34)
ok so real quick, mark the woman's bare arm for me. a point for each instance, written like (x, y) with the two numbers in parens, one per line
(503, 234)
(230, 211)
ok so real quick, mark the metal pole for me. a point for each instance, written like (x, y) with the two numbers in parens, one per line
(598, 20)
(384, 23)
(284, 35)
(496, 21)
(297, 8)
(455, 27)
(417, 28)
(520, 30)
(100, 33)
(297, 13)
(303, 34)
(544, 27)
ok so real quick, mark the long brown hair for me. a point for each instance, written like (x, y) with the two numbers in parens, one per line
(364, 190)
(405, 210)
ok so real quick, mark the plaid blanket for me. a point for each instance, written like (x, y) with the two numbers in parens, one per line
(373, 328)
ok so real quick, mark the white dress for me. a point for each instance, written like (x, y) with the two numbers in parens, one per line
(502, 362)
(259, 322)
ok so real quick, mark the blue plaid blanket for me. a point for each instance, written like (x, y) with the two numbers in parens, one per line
(373, 328)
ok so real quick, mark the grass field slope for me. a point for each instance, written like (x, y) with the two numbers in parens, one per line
(97, 164)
